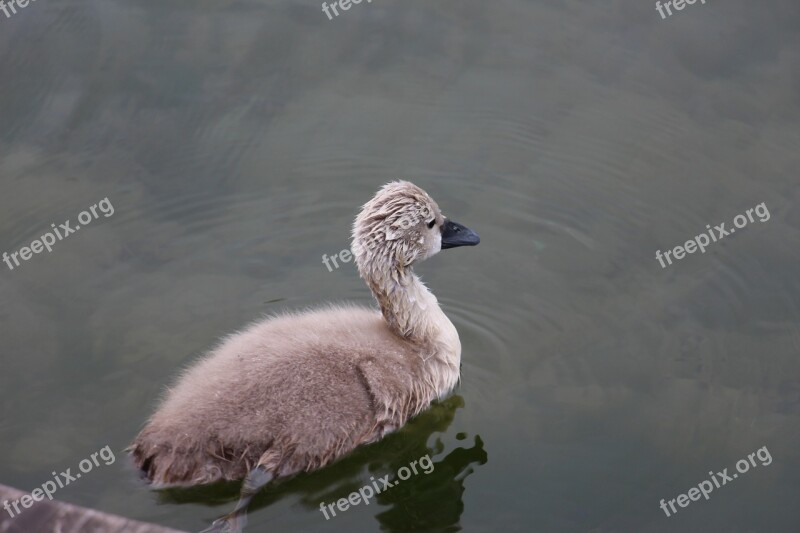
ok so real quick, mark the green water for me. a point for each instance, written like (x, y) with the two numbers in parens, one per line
(236, 142)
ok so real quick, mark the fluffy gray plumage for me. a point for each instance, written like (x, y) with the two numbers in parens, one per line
(295, 392)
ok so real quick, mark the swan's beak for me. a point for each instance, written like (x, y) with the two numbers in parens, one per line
(454, 235)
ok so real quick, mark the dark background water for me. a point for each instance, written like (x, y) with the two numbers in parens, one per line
(236, 142)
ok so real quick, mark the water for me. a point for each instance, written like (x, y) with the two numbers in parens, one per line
(236, 142)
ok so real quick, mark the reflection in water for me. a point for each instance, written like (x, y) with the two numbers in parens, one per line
(421, 502)
(424, 503)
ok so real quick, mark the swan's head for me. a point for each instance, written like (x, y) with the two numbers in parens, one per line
(402, 225)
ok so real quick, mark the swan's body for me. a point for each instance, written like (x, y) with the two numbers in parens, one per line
(295, 392)
(303, 388)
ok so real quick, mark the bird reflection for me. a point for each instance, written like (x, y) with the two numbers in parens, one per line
(423, 501)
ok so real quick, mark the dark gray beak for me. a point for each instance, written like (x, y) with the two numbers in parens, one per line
(454, 235)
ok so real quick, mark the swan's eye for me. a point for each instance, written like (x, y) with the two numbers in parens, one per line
(431, 223)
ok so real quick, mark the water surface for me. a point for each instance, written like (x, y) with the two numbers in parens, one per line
(236, 142)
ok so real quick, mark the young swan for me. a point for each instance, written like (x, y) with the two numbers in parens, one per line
(295, 392)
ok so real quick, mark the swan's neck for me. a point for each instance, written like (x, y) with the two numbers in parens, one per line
(412, 312)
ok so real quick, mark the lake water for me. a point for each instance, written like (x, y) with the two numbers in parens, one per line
(236, 142)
